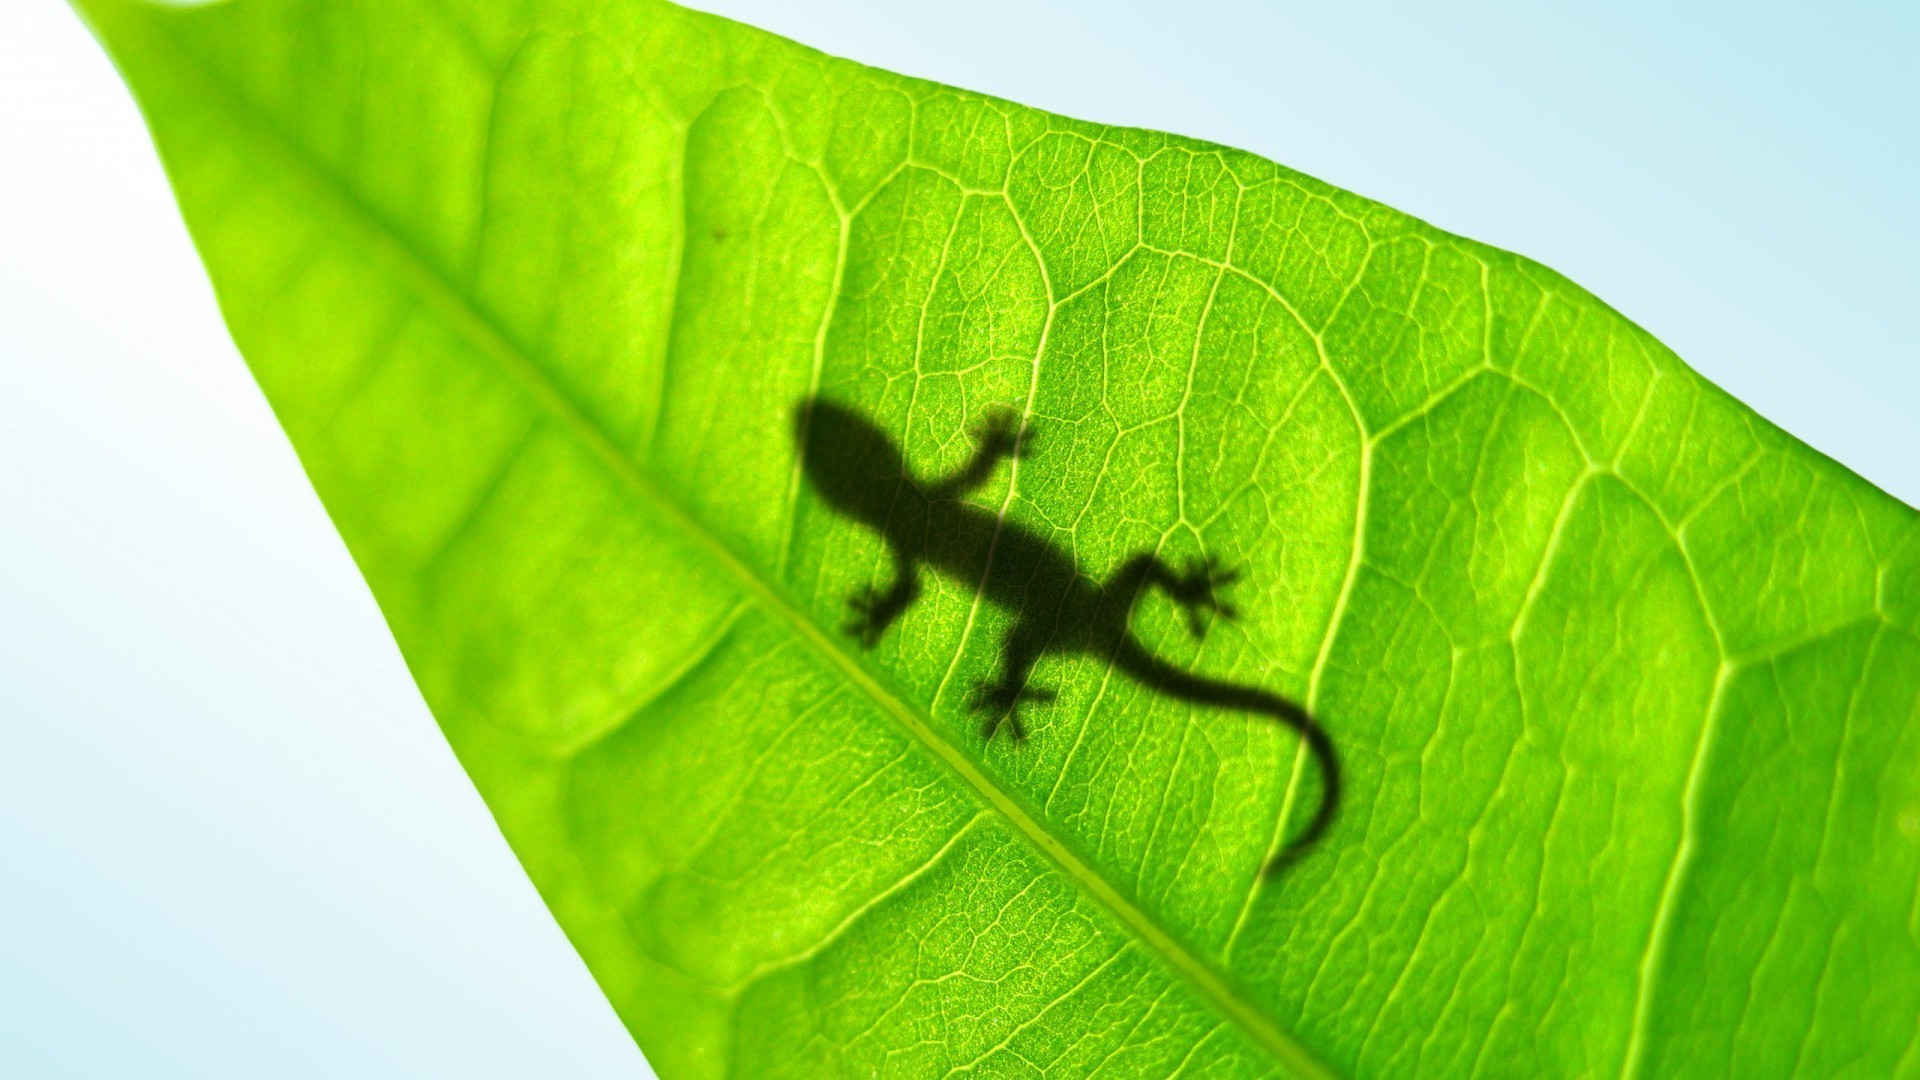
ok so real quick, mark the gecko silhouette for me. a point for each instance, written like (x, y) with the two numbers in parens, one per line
(860, 473)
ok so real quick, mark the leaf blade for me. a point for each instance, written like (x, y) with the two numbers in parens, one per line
(572, 712)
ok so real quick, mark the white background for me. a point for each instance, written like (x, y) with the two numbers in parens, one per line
(233, 843)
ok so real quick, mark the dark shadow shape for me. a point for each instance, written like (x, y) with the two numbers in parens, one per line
(859, 471)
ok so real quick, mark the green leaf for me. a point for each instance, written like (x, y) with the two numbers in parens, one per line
(1623, 681)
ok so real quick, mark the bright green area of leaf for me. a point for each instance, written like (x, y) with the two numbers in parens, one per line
(1625, 680)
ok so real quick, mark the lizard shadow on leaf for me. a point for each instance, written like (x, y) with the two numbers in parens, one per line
(861, 473)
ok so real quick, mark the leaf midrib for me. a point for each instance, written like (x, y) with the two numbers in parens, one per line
(433, 288)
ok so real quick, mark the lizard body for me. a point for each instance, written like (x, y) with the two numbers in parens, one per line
(861, 473)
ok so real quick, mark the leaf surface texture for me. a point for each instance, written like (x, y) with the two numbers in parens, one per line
(1624, 680)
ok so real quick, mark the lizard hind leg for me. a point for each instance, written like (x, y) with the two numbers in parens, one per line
(1000, 702)
(1196, 589)
(1000, 699)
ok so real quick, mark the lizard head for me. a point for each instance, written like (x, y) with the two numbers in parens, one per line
(848, 460)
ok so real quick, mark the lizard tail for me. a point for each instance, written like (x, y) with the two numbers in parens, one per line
(1136, 661)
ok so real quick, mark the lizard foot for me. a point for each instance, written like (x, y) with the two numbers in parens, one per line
(1002, 435)
(1197, 591)
(869, 619)
(1001, 704)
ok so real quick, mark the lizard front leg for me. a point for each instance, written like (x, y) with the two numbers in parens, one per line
(874, 611)
(1000, 436)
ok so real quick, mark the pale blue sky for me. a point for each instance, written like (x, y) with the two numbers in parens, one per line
(233, 842)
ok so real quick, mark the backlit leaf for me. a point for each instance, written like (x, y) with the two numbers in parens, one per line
(1622, 681)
